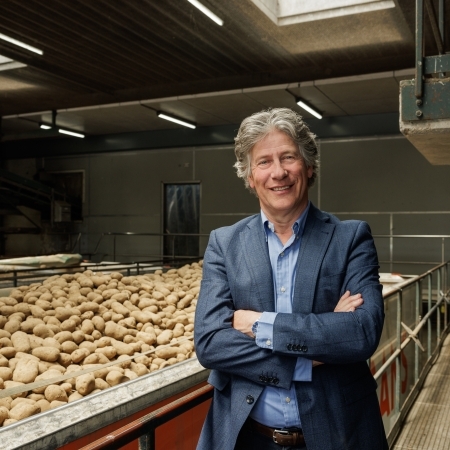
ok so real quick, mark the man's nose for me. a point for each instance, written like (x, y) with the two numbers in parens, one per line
(278, 171)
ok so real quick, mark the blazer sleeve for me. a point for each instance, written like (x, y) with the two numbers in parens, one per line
(218, 345)
(344, 337)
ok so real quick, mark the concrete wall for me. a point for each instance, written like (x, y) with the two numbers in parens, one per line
(386, 182)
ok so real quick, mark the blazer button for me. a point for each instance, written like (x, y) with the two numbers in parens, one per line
(304, 348)
(295, 348)
(250, 399)
(276, 380)
(289, 347)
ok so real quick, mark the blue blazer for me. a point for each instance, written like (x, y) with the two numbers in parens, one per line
(339, 407)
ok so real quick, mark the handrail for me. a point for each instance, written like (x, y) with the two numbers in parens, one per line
(408, 369)
(148, 423)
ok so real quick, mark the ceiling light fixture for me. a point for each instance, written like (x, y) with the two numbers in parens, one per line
(177, 120)
(44, 126)
(20, 44)
(70, 133)
(206, 11)
(308, 108)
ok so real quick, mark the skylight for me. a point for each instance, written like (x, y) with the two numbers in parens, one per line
(8, 64)
(288, 12)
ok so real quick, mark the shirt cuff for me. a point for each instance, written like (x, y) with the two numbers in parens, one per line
(264, 335)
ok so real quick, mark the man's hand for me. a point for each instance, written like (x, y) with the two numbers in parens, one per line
(348, 303)
(243, 321)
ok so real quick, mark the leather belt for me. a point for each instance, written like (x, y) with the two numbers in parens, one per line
(292, 437)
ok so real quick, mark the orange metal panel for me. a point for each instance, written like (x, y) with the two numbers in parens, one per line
(181, 433)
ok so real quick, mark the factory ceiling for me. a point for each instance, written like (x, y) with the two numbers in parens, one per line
(108, 66)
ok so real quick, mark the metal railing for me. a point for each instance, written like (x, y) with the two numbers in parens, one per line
(391, 237)
(160, 236)
(144, 428)
(416, 324)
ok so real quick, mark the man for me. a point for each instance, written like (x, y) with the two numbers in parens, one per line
(290, 308)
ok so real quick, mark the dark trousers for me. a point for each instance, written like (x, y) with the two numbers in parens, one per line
(251, 440)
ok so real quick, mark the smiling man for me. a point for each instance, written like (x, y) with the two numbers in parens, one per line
(290, 308)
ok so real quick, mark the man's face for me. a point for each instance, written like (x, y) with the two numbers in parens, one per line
(279, 176)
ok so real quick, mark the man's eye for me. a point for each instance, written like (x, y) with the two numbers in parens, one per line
(262, 163)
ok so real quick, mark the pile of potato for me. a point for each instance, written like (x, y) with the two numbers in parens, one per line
(80, 321)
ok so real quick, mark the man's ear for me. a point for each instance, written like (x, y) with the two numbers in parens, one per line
(250, 182)
(310, 171)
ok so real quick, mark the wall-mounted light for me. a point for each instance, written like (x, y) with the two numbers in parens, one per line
(174, 119)
(206, 11)
(21, 44)
(300, 102)
(70, 133)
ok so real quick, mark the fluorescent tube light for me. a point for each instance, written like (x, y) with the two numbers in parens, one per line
(21, 44)
(70, 133)
(176, 120)
(206, 11)
(44, 126)
(308, 108)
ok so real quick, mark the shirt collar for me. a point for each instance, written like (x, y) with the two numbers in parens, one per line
(297, 227)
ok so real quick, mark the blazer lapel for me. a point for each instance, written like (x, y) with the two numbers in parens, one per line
(315, 241)
(256, 253)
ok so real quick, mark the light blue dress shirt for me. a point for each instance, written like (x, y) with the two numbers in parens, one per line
(277, 407)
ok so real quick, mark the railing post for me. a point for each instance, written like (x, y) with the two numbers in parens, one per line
(438, 310)
(398, 358)
(418, 319)
(430, 278)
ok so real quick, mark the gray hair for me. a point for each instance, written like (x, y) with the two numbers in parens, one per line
(257, 126)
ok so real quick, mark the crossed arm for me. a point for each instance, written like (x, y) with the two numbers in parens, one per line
(244, 319)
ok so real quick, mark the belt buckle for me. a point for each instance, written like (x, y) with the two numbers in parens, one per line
(283, 432)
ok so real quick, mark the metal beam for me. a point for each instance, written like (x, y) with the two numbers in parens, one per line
(328, 127)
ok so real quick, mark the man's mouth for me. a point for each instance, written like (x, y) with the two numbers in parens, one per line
(282, 188)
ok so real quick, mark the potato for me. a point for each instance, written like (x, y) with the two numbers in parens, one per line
(85, 384)
(26, 370)
(4, 414)
(121, 348)
(6, 373)
(87, 327)
(68, 346)
(23, 410)
(63, 336)
(109, 351)
(68, 325)
(80, 354)
(49, 354)
(55, 392)
(12, 326)
(98, 323)
(115, 331)
(115, 377)
(165, 337)
(75, 396)
(166, 352)
(51, 342)
(43, 331)
(100, 383)
(43, 404)
(178, 330)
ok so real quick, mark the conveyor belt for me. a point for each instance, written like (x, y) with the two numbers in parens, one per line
(427, 426)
